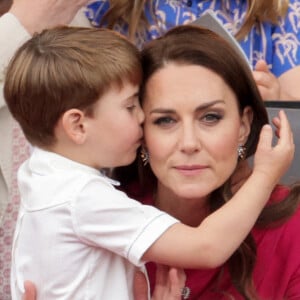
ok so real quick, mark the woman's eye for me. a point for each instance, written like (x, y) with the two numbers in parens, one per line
(164, 121)
(211, 117)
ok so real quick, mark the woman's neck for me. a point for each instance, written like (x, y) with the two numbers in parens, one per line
(189, 211)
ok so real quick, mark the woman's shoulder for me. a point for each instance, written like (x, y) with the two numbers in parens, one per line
(279, 193)
(283, 234)
(278, 258)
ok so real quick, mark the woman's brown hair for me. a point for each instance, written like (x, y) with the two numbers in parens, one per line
(191, 45)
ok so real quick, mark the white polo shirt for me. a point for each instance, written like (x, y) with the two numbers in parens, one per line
(77, 237)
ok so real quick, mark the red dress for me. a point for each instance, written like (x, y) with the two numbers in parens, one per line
(277, 270)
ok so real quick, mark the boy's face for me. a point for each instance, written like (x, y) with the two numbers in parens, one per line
(115, 130)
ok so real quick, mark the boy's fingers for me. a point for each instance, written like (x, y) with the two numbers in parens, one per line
(283, 128)
(266, 135)
(285, 132)
(276, 121)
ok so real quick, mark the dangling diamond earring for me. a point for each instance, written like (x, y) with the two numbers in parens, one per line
(241, 152)
(144, 156)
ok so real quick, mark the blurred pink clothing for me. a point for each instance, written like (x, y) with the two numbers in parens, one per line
(277, 269)
(20, 153)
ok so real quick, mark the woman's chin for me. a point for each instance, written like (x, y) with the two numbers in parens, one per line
(193, 191)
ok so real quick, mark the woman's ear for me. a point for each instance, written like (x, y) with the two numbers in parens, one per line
(74, 125)
(245, 127)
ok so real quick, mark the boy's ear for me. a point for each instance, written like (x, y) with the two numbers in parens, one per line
(246, 122)
(74, 126)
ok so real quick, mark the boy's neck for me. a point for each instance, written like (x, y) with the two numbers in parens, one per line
(72, 152)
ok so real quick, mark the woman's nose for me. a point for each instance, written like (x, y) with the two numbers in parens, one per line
(189, 140)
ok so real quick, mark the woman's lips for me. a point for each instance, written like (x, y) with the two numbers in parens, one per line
(190, 170)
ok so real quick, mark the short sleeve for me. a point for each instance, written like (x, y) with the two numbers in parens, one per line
(107, 218)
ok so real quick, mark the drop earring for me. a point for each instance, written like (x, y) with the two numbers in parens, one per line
(241, 152)
(144, 156)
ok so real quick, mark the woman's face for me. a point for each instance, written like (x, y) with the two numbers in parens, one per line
(192, 129)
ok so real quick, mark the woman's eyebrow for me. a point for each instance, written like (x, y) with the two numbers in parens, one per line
(198, 108)
(209, 104)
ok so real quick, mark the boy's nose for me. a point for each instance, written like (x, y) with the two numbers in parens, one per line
(140, 115)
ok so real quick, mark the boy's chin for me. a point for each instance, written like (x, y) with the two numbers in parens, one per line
(129, 161)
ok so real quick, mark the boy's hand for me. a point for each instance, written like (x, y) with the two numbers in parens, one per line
(36, 15)
(274, 161)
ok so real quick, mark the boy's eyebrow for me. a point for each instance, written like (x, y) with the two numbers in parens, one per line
(135, 95)
(198, 108)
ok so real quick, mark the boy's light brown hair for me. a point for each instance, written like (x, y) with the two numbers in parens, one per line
(64, 68)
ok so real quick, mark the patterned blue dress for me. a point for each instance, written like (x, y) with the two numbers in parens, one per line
(278, 44)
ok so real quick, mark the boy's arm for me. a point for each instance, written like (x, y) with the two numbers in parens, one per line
(220, 234)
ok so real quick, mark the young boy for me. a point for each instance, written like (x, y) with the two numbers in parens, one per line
(74, 92)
